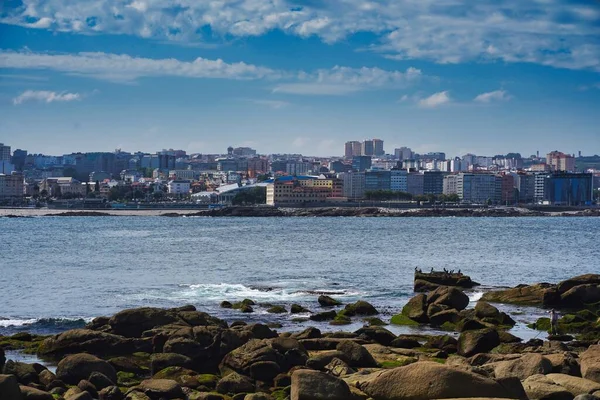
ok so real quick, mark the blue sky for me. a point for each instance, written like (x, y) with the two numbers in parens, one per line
(489, 77)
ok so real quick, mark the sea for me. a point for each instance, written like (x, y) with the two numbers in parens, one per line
(58, 273)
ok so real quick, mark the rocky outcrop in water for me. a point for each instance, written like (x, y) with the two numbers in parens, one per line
(427, 281)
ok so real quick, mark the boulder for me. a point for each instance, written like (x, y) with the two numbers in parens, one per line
(133, 322)
(308, 333)
(297, 309)
(25, 373)
(87, 386)
(483, 309)
(100, 381)
(110, 393)
(532, 295)
(9, 387)
(574, 384)
(30, 393)
(315, 385)
(326, 301)
(356, 355)
(235, 383)
(161, 361)
(429, 380)
(448, 296)
(539, 387)
(581, 295)
(46, 377)
(93, 342)
(590, 363)
(440, 318)
(480, 341)
(416, 308)
(403, 342)
(185, 346)
(377, 334)
(424, 281)
(157, 389)
(564, 363)
(338, 367)
(82, 396)
(361, 307)
(523, 367)
(323, 316)
(76, 367)
(587, 279)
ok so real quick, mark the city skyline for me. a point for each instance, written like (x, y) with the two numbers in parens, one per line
(302, 77)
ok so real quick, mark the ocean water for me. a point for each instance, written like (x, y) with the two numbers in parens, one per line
(56, 273)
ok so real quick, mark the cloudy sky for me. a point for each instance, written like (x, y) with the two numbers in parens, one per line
(304, 76)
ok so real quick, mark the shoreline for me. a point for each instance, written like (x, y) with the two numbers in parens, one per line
(302, 212)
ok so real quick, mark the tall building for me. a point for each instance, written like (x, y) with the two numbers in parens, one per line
(378, 147)
(352, 149)
(539, 187)
(560, 161)
(354, 184)
(433, 182)
(367, 148)
(569, 189)
(525, 184)
(361, 163)
(4, 152)
(415, 182)
(377, 180)
(18, 159)
(403, 153)
(508, 195)
(479, 188)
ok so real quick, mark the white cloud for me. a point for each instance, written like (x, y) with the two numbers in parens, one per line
(338, 80)
(549, 32)
(435, 100)
(45, 96)
(274, 104)
(496, 95)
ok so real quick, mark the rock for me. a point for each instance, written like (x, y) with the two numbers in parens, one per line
(442, 342)
(159, 389)
(9, 387)
(434, 279)
(405, 343)
(161, 361)
(308, 333)
(338, 367)
(100, 381)
(361, 307)
(226, 304)
(87, 386)
(564, 363)
(73, 391)
(323, 316)
(532, 295)
(377, 334)
(448, 296)
(416, 308)
(581, 295)
(297, 309)
(277, 310)
(320, 360)
(46, 377)
(590, 363)
(185, 346)
(258, 396)
(315, 385)
(25, 373)
(587, 279)
(539, 387)
(574, 384)
(133, 322)
(82, 396)
(110, 393)
(235, 383)
(356, 355)
(483, 309)
(506, 337)
(76, 367)
(30, 393)
(480, 341)
(429, 380)
(440, 318)
(469, 324)
(513, 386)
(93, 342)
(326, 301)
(586, 397)
(523, 367)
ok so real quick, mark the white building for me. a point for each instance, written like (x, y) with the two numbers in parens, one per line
(179, 187)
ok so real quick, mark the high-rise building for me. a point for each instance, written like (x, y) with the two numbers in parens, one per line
(4, 152)
(560, 161)
(433, 182)
(352, 149)
(377, 180)
(354, 184)
(403, 153)
(378, 147)
(478, 188)
(367, 148)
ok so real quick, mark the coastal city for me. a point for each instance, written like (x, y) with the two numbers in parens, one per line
(243, 176)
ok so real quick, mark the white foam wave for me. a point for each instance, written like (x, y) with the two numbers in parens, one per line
(8, 322)
(11, 322)
(476, 296)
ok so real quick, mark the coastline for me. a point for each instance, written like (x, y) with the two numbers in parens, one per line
(304, 212)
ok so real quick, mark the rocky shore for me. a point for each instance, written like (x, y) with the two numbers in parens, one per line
(308, 212)
(182, 353)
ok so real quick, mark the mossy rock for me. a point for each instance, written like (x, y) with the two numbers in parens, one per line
(438, 360)
(195, 395)
(208, 380)
(173, 373)
(400, 319)
(448, 326)
(281, 394)
(542, 324)
(400, 362)
(587, 315)
(226, 304)
(30, 346)
(277, 310)
(361, 307)
(374, 321)
(127, 379)
(244, 304)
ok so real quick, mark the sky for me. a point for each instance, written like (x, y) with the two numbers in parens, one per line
(486, 77)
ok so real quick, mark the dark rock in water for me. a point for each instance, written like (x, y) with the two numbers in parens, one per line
(25, 373)
(226, 304)
(480, 341)
(326, 301)
(323, 316)
(377, 334)
(9, 387)
(426, 281)
(484, 309)
(361, 307)
(277, 310)
(309, 385)
(235, 383)
(76, 367)
(561, 338)
(430, 380)
(296, 309)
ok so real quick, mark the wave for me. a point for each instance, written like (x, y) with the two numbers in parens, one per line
(41, 325)
(475, 296)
